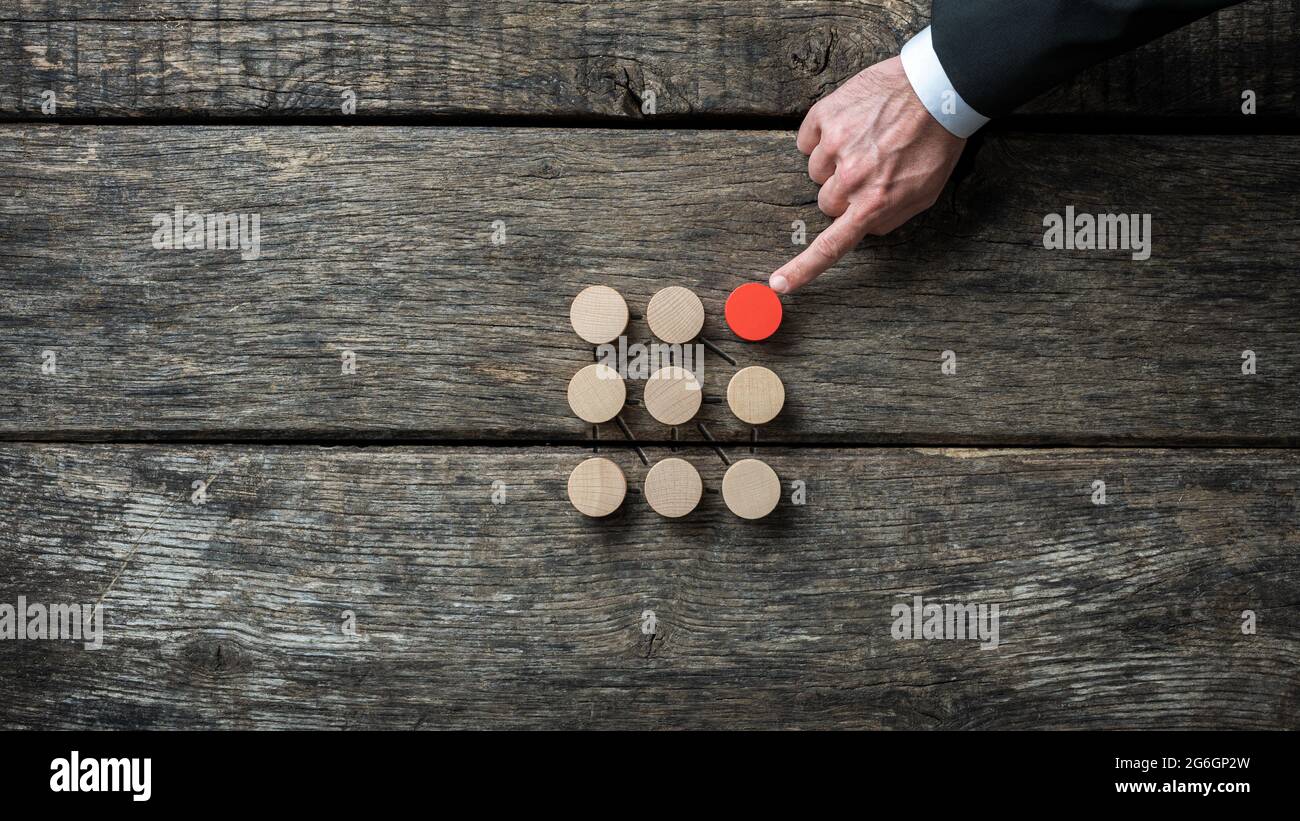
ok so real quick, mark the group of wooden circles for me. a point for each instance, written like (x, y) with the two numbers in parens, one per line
(597, 394)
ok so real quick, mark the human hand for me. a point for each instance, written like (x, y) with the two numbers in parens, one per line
(880, 159)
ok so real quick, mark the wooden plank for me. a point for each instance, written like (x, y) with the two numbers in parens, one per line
(526, 614)
(379, 241)
(571, 59)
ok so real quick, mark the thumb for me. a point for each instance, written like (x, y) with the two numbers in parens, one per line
(824, 251)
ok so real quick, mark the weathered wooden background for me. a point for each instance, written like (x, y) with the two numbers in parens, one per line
(527, 615)
(252, 58)
(372, 493)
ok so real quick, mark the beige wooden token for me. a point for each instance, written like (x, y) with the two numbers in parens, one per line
(675, 315)
(673, 395)
(755, 395)
(751, 489)
(597, 393)
(598, 314)
(673, 487)
(597, 487)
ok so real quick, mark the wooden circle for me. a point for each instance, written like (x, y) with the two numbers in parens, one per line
(673, 487)
(675, 315)
(597, 487)
(751, 489)
(598, 314)
(597, 393)
(673, 395)
(755, 395)
(753, 311)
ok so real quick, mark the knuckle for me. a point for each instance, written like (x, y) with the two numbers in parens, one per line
(821, 166)
(829, 202)
(833, 133)
(874, 203)
(865, 220)
(852, 171)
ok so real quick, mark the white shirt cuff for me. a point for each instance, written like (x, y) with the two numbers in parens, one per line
(931, 84)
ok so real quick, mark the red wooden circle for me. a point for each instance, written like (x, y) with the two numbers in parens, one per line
(753, 311)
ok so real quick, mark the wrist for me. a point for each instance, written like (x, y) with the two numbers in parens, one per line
(930, 83)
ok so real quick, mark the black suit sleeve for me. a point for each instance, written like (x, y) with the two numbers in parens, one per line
(999, 54)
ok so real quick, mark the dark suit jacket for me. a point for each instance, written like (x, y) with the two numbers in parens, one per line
(1001, 53)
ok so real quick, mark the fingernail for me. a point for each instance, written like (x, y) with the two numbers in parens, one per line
(779, 283)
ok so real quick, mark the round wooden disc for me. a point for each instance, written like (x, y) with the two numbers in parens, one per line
(673, 487)
(673, 395)
(597, 487)
(755, 395)
(751, 489)
(597, 393)
(753, 311)
(598, 314)
(675, 315)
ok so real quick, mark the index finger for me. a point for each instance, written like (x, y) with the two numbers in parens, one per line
(827, 249)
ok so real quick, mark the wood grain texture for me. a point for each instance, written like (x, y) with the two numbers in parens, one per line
(596, 393)
(755, 395)
(527, 614)
(673, 395)
(672, 487)
(597, 487)
(675, 315)
(572, 59)
(751, 488)
(378, 241)
(598, 314)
